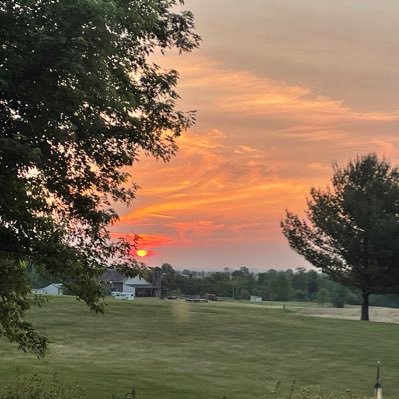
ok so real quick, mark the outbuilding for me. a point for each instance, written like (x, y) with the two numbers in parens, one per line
(254, 298)
(51, 289)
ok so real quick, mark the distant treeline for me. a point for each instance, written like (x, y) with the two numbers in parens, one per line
(272, 285)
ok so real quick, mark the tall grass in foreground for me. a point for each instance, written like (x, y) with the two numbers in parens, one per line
(297, 392)
(36, 387)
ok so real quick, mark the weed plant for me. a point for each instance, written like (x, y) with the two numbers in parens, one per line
(36, 387)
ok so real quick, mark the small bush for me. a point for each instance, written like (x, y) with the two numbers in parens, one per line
(323, 297)
(35, 387)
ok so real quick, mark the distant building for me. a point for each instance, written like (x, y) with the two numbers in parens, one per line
(51, 289)
(254, 298)
(117, 282)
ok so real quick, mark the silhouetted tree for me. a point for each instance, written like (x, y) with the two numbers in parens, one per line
(352, 228)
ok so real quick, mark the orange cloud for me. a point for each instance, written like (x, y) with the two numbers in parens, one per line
(258, 147)
(223, 90)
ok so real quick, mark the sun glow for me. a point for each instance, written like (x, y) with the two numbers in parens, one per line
(141, 252)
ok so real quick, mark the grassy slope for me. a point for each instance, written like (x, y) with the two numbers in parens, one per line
(182, 350)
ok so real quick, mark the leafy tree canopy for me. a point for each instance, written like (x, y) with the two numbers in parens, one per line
(79, 100)
(352, 228)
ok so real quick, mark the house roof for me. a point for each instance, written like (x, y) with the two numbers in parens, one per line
(113, 276)
(138, 282)
(56, 285)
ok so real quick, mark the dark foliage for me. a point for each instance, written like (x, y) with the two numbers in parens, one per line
(79, 100)
(352, 228)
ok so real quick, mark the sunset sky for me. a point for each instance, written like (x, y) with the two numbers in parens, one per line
(282, 89)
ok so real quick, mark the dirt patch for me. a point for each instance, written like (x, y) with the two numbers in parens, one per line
(377, 314)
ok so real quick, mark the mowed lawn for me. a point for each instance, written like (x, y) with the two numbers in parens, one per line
(170, 349)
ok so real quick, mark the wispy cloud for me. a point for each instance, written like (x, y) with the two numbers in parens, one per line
(220, 89)
(258, 147)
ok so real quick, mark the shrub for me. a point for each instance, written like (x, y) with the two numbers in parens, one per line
(323, 296)
(300, 295)
(353, 299)
(36, 387)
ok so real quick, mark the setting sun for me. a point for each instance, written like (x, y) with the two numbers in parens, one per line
(141, 252)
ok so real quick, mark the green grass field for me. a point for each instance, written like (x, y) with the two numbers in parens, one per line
(168, 349)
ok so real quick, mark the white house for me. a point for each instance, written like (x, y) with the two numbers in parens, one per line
(51, 289)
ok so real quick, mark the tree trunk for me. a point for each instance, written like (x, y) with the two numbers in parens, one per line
(365, 306)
